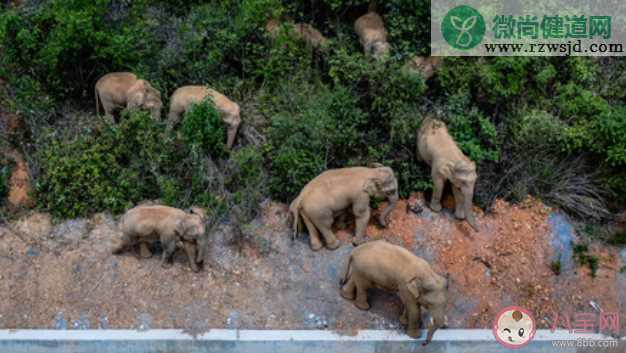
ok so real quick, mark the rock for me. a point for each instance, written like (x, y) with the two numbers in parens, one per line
(59, 321)
(82, 323)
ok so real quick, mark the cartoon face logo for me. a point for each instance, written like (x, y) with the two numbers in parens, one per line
(514, 327)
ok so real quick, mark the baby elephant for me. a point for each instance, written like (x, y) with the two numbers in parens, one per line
(118, 90)
(382, 265)
(372, 34)
(175, 229)
(437, 148)
(337, 190)
(185, 96)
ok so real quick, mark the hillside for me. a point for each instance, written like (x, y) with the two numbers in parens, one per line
(63, 275)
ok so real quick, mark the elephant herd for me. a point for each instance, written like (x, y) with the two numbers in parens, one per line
(332, 195)
(119, 90)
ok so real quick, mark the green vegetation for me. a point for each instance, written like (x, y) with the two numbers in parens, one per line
(555, 266)
(551, 127)
(5, 174)
(583, 258)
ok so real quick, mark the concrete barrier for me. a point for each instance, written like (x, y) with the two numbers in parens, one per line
(276, 341)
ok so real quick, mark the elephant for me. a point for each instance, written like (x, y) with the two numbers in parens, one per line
(380, 264)
(118, 90)
(425, 66)
(173, 227)
(437, 148)
(303, 31)
(337, 190)
(372, 34)
(185, 96)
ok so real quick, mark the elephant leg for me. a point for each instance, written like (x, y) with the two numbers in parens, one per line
(361, 296)
(190, 249)
(108, 110)
(438, 184)
(144, 250)
(404, 320)
(348, 290)
(361, 219)
(173, 117)
(314, 237)
(168, 250)
(459, 211)
(324, 226)
(231, 133)
(414, 320)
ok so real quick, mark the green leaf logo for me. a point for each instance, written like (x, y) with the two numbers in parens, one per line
(463, 27)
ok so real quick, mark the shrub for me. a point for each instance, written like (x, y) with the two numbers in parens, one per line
(5, 175)
(326, 130)
(408, 24)
(117, 166)
(56, 42)
(203, 127)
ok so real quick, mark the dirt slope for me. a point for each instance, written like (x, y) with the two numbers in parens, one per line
(63, 275)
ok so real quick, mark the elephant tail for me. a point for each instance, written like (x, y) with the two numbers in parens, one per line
(294, 209)
(346, 272)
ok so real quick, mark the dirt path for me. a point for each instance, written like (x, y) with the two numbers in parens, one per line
(63, 276)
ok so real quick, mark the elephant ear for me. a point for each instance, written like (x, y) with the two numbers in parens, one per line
(370, 186)
(413, 287)
(465, 167)
(446, 169)
(182, 229)
(464, 172)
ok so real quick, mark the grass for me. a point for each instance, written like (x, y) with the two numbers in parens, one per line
(555, 266)
(583, 258)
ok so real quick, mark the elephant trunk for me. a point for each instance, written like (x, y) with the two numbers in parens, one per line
(393, 200)
(434, 325)
(201, 255)
(155, 113)
(231, 133)
(437, 321)
(469, 215)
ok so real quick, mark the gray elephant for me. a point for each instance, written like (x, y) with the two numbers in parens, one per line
(372, 34)
(185, 96)
(379, 264)
(337, 190)
(119, 90)
(437, 148)
(173, 227)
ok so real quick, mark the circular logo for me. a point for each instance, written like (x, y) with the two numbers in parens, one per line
(514, 327)
(463, 27)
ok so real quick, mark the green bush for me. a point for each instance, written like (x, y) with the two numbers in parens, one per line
(5, 175)
(203, 127)
(548, 126)
(117, 166)
(59, 42)
(324, 129)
